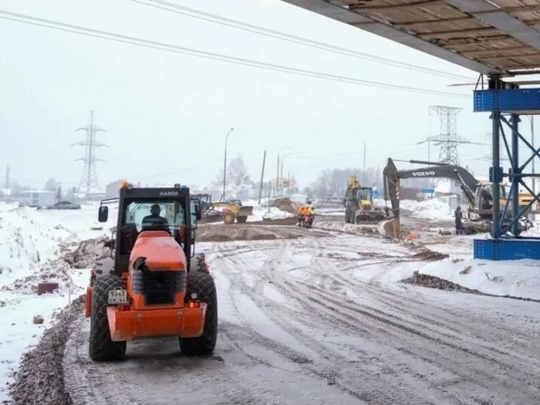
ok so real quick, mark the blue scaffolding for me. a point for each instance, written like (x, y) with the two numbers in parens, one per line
(506, 102)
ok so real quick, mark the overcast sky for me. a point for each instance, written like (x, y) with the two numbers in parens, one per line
(167, 114)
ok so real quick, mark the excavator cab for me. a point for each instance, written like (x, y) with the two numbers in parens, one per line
(365, 198)
(155, 285)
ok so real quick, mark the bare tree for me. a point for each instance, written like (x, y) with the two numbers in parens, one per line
(51, 185)
(238, 182)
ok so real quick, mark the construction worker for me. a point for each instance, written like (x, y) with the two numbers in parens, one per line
(459, 223)
(154, 220)
(300, 213)
(310, 213)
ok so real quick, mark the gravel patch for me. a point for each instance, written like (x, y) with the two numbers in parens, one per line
(426, 280)
(40, 379)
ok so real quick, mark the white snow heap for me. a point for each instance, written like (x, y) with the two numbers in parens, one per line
(435, 208)
(29, 242)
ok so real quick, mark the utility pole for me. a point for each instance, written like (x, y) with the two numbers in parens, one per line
(281, 184)
(277, 168)
(269, 193)
(364, 168)
(225, 165)
(89, 176)
(262, 178)
(277, 177)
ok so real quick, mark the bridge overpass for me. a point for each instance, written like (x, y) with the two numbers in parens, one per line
(500, 40)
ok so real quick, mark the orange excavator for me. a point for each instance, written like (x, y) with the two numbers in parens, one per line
(154, 284)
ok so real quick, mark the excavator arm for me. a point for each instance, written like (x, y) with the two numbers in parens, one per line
(392, 176)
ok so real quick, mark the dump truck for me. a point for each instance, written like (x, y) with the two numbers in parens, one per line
(154, 284)
(359, 206)
(478, 194)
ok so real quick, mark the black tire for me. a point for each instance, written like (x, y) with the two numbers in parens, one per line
(198, 263)
(203, 285)
(241, 219)
(101, 347)
(228, 219)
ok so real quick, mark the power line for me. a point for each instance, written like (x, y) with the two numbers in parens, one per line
(210, 55)
(229, 22)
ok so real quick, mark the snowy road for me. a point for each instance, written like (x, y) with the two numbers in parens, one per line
(323, 320)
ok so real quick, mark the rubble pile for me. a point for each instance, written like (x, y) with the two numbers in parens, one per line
(426, 280)
(40, 379)
(86, 253)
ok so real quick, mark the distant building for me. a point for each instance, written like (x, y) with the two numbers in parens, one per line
(112, 189)
(36, 198)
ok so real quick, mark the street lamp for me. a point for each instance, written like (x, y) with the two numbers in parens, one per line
(277, 167)
(281, 176)
(225, 164)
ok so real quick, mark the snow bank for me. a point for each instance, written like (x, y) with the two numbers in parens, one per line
(518, 278)
(261, 213)
(30, 241)
(429, 209)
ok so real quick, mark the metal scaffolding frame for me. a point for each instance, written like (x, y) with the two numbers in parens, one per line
(506, 102)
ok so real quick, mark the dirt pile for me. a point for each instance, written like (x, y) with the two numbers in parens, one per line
(40, 379)
(278, 221)
(224, 233)
(421, 252)
(426, 280)
(86, 253)
(285, 204)
(427, 255)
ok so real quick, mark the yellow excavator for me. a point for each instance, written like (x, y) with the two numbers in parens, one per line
(359, 206)
(478, 194)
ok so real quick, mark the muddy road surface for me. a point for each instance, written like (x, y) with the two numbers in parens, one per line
(321, 320)
(254, 231)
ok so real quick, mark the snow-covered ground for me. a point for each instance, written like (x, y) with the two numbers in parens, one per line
(346, 287)
(325, 320)
(30, 241)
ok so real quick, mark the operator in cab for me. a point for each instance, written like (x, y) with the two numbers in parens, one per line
(155, 220)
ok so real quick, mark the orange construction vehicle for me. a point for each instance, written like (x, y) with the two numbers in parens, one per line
(154, 284)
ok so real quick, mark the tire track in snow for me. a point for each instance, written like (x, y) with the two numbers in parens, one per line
(386, 320)
(333, 363)
(328, 365)
(488, 352)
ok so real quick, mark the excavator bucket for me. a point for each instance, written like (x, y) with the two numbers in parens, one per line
(389, 228)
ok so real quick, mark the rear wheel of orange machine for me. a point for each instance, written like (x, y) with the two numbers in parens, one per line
(228, 219)
(203, 285)
(101, 346)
